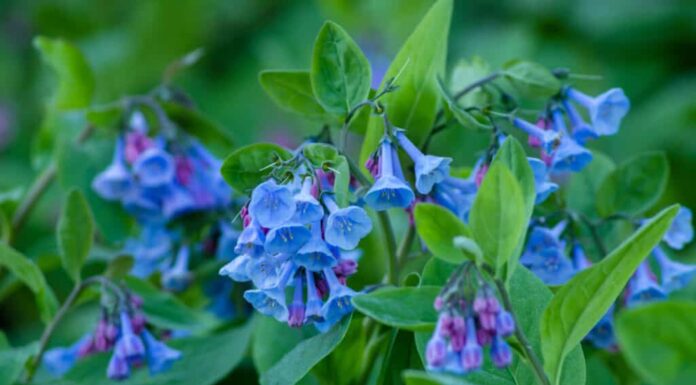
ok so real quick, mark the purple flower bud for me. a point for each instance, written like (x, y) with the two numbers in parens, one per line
(129, 345)
(118, 368)
(438, 304)
(500, 352)
(138, 322)
(484, 337)
(296, 316)
(505, 324)
(435, 352)
(487, 320)
(472, 354)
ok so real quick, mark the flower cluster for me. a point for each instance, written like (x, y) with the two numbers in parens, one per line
(470, 318)
(124, 333)
(297, 242)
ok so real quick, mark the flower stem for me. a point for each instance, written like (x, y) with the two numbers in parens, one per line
(393, 266)
(533, 359)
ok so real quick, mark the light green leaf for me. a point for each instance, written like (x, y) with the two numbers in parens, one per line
(470, 119)
(246, 167)
(26, 271)
(418, 64)
(415, 377)
(582, 302)
(319, 154)
(340, 72)
(75, 233)
(75, 78)
(292, 91)
(465, 73)
(300, 360)
(409, 308)
(581, 193)
(635, 186)
(13, 361)
(531, 79)
(659, 341)
(498, 217)
(272, 340)
(342, 184)
(437, 227)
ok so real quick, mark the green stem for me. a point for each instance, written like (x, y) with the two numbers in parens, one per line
(406, 242)
(393, 266)
(535, 362)
(372, 349)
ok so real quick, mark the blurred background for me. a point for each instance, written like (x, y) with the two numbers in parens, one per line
(647, 47)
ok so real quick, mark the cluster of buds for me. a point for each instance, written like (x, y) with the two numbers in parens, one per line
(470, 319)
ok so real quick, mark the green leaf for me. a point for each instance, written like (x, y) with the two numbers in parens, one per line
(292, 91)
(340, 72)
(246, 167)
(635, 186)
(119, 267)
(436, 272)
(659, 341)
(105, 116)
(199, 125)
(300, 360)
(465, 73)
(400, 356)
(582, 302)
(26, 271)
(470, 119)
(319, 154)
(342, 184)
(415, 377)
(581, 193)
(437, 227)
(531, 79)
(418, 64)
(75, 233)
(326, 156)
(272, 340)
(75, 78)
(409, 308)
(205, 361)
(13, 361)
(498, 217)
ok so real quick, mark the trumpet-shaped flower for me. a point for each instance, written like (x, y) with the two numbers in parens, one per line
(389, 190)
(542, 185)
(674, 275)
(606, 110)
(315, 254)
(602, 334)
(178, 276)
(251, 241)
(272, 204)
(338, 304)
(159, 357)
(115, 181)
(287, 238)
(237, 268)
(154, 168)
(582, 132)
(347, 226)
(643, 287)
(472, 354)
(129, 345)
(546, 138)
(429, 169)
(308, 209)
(681, 231)
(570, 156)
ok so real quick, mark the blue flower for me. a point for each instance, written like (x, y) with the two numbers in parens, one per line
(542, 185)
(550, 265)
(582, 132)
(251, 241)
(500, 352)
(345, 227)
(542, 238)
(547, 137)
(143, 204)
(271, 204)
(313, 308)
(271, 302)
(472, 354)
(227, 242)
(59, 361)
(154, 168)
(308, 209)
(338, 304)
(263, 272)
(570, 156)
(160, 357)
(178, 276)
(287, 238)
(115, 181)
(429, 169)
(388, 190)
(219, 291)
(129, 345)
(504, 323)
(681, 231)
(177, 201)
(580, 260)
(237, 269)
(118, 368)
(150, 249)
(456, 194)
(605, 110)
(643, 287)
(674, 275)
(296, 311)
(315, 254)
(602, 334)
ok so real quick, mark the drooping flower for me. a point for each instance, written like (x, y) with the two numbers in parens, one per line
(674, 275)
(315, 254)
(643, 287)
(272, 204)
(115, 181)
(59, 361)
(177, 277)
(154, 168)
(271, 302)
(389, 190)
(308, 209)
(681, 231)
(429, 169)
(345, 227)
(581, 131)
(338, 304)
(118, 368)
(237, 268)
(545, 138)
(128, 344)
(159, 357)
(545, 255)
(296, 311)
(602, 334)
(251, 241)
(543, 186)
(606, 110)
(569, 155)
(287, 238)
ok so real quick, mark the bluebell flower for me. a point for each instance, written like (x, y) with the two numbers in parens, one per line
(59, 361)
(178, 276)
(605, 110)
(154, 168)
(296, 311)
(551, 266)
(582, 132)
(237, 269)
(272, 204)
(389, 190)
(543, 186)
(271, 302)
(118, 368)
(542, 238)
(144, 205)
(287, 238)
(263, 272)
(345, 227)
(115, 181)
(338, 304)
(643, 287)
(547, 138)
(150, 249)
(219, 290)
(457, 195)
(308, 209)
(429, 169)
(681, 231)
(160, 357)
(128, 344)
(177, 201)
(501, 352)
(313, 308)
(602, 334)
(674, 275)
(570, 156)
(504, 323)
(580, 260)
(315, 254)
(227, 241)
(251, 241)
(472, 354)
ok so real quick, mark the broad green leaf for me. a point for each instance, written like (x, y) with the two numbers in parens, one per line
(531, 79)
(75, 233)
(581, 192)
(340, 72)
(272, 340)
(659, 341)
(581, 303)
(198, 125)
(498, 218)
(292, 91)
(75, 78)
(13, 361)
(26, 271)
(246, 167)
(326, 156)
(320, 154)
(635, 186)
(400, 355)
(205, 361)
(300, 360)
(409, 308)
(418, 64)
(465, 73)
(415, 377)
(470, 119)
(342, 358)
(436, 272)
(438, 227)
(105, 116)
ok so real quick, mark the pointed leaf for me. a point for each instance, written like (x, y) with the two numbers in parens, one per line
(248, 166)
(438, 227)
(409, 308)
(292, 91)
(75, 233)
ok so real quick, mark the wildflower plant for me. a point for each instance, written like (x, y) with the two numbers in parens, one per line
(374, 252)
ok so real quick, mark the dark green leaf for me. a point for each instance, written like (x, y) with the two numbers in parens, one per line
(414, 377)
(340, 72)
(119, 267)
(635, 186)
(471, 119)
(409, 308)
(400, 356)
(437, 227)
(106, 116)
(292, 91)
(532, 79)
(659, 341)
(75, 233)
(246, 167)
(436, 272)
(582, 302)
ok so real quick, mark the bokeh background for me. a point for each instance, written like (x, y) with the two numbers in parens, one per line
(647, 47)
